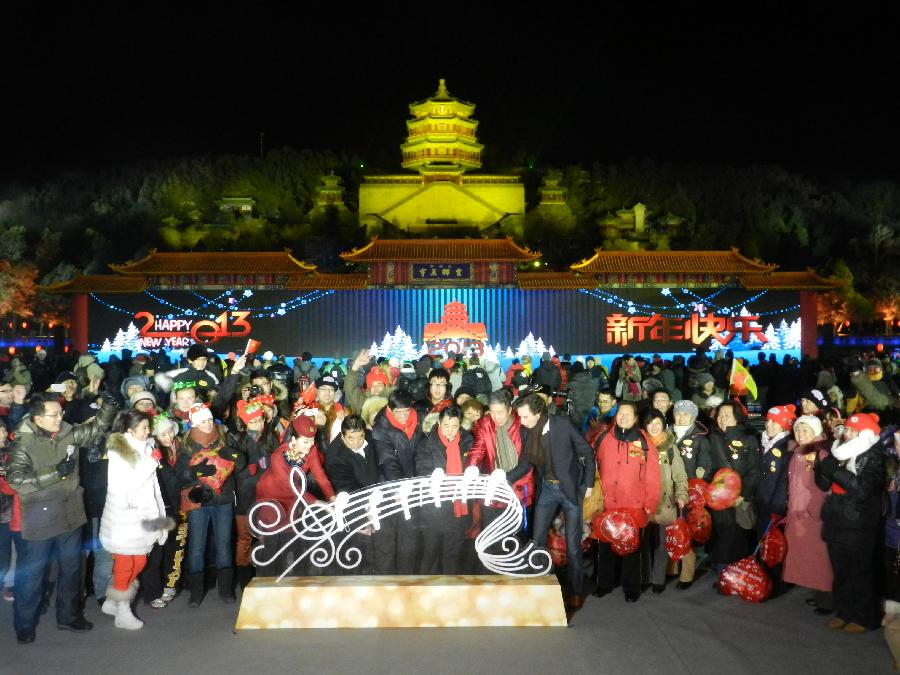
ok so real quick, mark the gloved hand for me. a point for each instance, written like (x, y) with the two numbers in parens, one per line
(203, 468)
(828, 466)
(67, 466)
(200, 495)
(109, 400)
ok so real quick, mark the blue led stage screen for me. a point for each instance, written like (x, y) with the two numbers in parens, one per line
(407, 323)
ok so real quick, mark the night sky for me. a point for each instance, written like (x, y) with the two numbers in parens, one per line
(86, 89)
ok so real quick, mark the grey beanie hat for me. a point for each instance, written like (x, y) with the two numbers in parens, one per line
(685, 406)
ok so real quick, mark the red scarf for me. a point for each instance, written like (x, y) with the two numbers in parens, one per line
(205, 441)
(411, 422)
(454, 468)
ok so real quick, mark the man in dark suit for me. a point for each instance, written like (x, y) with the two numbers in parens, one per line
(351, 465)
(564, 476)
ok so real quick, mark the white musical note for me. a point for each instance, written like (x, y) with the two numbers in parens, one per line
(436, 479)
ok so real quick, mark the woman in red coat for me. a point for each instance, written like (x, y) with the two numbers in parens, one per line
(275, 486)
(628, 464)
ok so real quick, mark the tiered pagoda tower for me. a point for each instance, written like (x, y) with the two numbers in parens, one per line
(442, 140)
(442, 200)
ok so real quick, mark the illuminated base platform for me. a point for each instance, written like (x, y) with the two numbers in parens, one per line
(401, 602)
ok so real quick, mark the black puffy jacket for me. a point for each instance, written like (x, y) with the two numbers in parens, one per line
(852, 518)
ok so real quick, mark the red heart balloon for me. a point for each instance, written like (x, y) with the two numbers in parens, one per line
(747, 579)
(773, 547)
(724, 489)
(620, 528)
(697, 492)
(701, 524)
(678, 539)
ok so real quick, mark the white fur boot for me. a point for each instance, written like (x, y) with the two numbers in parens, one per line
(121, 601)
(125, 618)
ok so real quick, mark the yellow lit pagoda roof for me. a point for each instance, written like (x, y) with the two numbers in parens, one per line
(441, 250)
(554, 281)
(670, 262)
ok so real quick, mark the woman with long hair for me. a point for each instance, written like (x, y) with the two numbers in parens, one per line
(134, 517)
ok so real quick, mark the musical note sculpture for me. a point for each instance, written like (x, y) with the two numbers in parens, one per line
(327, 528)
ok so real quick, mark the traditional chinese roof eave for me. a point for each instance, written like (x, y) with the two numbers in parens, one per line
(440, 250)
(97, 283)
(806, 280)
(554, 281)
(327, 282)
(730, 263)
(173, 264)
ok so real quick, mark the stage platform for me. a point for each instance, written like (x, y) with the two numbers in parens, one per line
(401, 602)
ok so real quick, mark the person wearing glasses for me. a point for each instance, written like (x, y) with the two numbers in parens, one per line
(43, 470)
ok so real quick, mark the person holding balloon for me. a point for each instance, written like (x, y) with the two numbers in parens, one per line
(735, 448)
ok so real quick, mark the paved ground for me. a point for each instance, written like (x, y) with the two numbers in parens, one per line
(693, 631)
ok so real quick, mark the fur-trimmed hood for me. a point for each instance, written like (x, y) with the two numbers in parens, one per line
(122, 445)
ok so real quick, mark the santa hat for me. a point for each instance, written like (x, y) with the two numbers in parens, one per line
(864, 421)
(305, 426)
(784, 415)
(812, 422)
(376, 375)
(199, 413)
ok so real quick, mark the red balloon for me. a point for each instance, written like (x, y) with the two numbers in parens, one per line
(724, 490)
(678, 539)
(773, 547)
(621, 530)
(701, 524)
(747, 579)
(556, 544)
(697, 492)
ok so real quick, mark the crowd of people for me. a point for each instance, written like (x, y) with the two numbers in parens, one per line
(133, 480)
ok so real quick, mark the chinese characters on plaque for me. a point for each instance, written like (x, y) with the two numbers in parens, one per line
(437, 272)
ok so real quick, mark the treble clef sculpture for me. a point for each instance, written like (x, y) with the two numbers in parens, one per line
(328, 527)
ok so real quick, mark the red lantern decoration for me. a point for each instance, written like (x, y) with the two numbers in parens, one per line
(724, 490)
(747, 579)
(224, 469)
(678, 539)
(697, 492)
(773, 547)
(700, 522)
(556, 544)
(620, 529)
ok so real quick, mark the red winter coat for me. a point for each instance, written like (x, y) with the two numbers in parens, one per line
(484, 454)
(630, 479)
(275, 483)
(15, 521)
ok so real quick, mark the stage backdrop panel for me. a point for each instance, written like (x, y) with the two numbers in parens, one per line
(408, 322)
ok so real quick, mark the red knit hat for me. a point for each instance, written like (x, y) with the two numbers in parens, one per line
(248, 411)
(376, 375)
(862, 421)
(785, 415)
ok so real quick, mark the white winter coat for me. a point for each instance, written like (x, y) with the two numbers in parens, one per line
(134, 517)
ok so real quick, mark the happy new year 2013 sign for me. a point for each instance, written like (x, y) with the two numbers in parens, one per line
(409, 322)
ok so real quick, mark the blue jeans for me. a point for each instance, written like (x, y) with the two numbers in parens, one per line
(103, 562)
(34, 558)
(5, 550)
(221, 518)
(551, 499)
